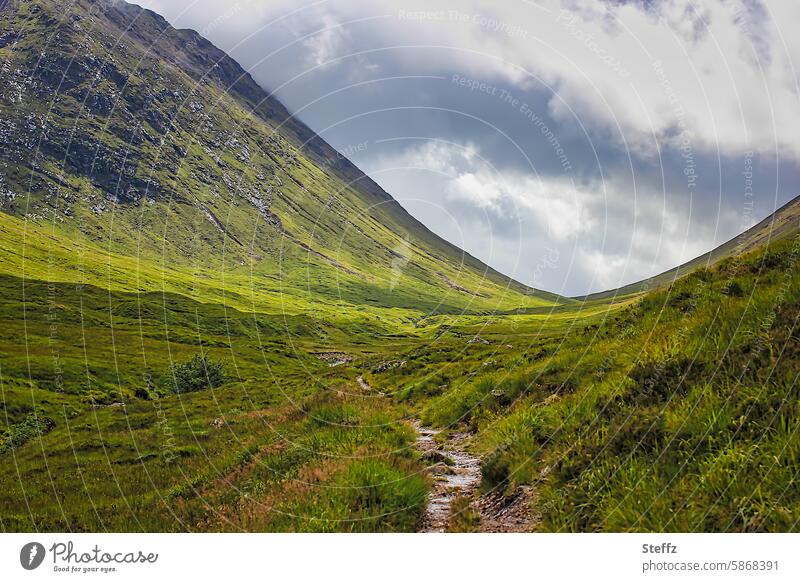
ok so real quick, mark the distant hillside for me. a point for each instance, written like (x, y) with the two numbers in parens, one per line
(122, 133)
(782, 223)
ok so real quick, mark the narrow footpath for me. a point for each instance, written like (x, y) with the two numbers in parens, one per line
(457, 474)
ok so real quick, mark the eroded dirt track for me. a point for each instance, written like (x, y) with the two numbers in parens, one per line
(457, 474)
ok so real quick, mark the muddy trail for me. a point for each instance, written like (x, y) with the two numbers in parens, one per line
(456, 491)
(455, 473)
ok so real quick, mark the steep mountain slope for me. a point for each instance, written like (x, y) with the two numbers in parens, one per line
(121, 133)
(779, 225)
(203, 61)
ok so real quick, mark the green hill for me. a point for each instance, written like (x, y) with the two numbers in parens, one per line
(127, 137)
(779, 225)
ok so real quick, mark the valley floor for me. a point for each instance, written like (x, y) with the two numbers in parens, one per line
(672, 411)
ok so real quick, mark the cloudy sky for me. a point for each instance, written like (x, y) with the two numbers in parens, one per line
(576, 145)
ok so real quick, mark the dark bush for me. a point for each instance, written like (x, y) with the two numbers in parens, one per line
(495, 468)
(774, 259)
(18, 434)
(734, 289)
(702, 274)
(657, 382)
(197, 374)
(683, 301)
(642, 432)
(141, 393)
(147, 391)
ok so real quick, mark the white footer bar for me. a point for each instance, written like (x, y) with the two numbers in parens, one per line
(401, 557)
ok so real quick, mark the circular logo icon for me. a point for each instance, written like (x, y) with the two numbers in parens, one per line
(31, 555)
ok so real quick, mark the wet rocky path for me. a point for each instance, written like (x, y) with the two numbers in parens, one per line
(455, 472)
(457, 476)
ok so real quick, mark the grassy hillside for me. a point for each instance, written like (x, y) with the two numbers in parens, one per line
(157, 204)
(122, 134)
(675, 411)
(777, 226)
(679, 412)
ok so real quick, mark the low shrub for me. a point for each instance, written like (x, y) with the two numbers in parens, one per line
(197, 374)
(31, 427)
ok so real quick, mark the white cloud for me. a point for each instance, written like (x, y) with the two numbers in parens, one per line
(330, 42)
(722, 72)
(726, 69)
(556, 206)
(604, 236)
